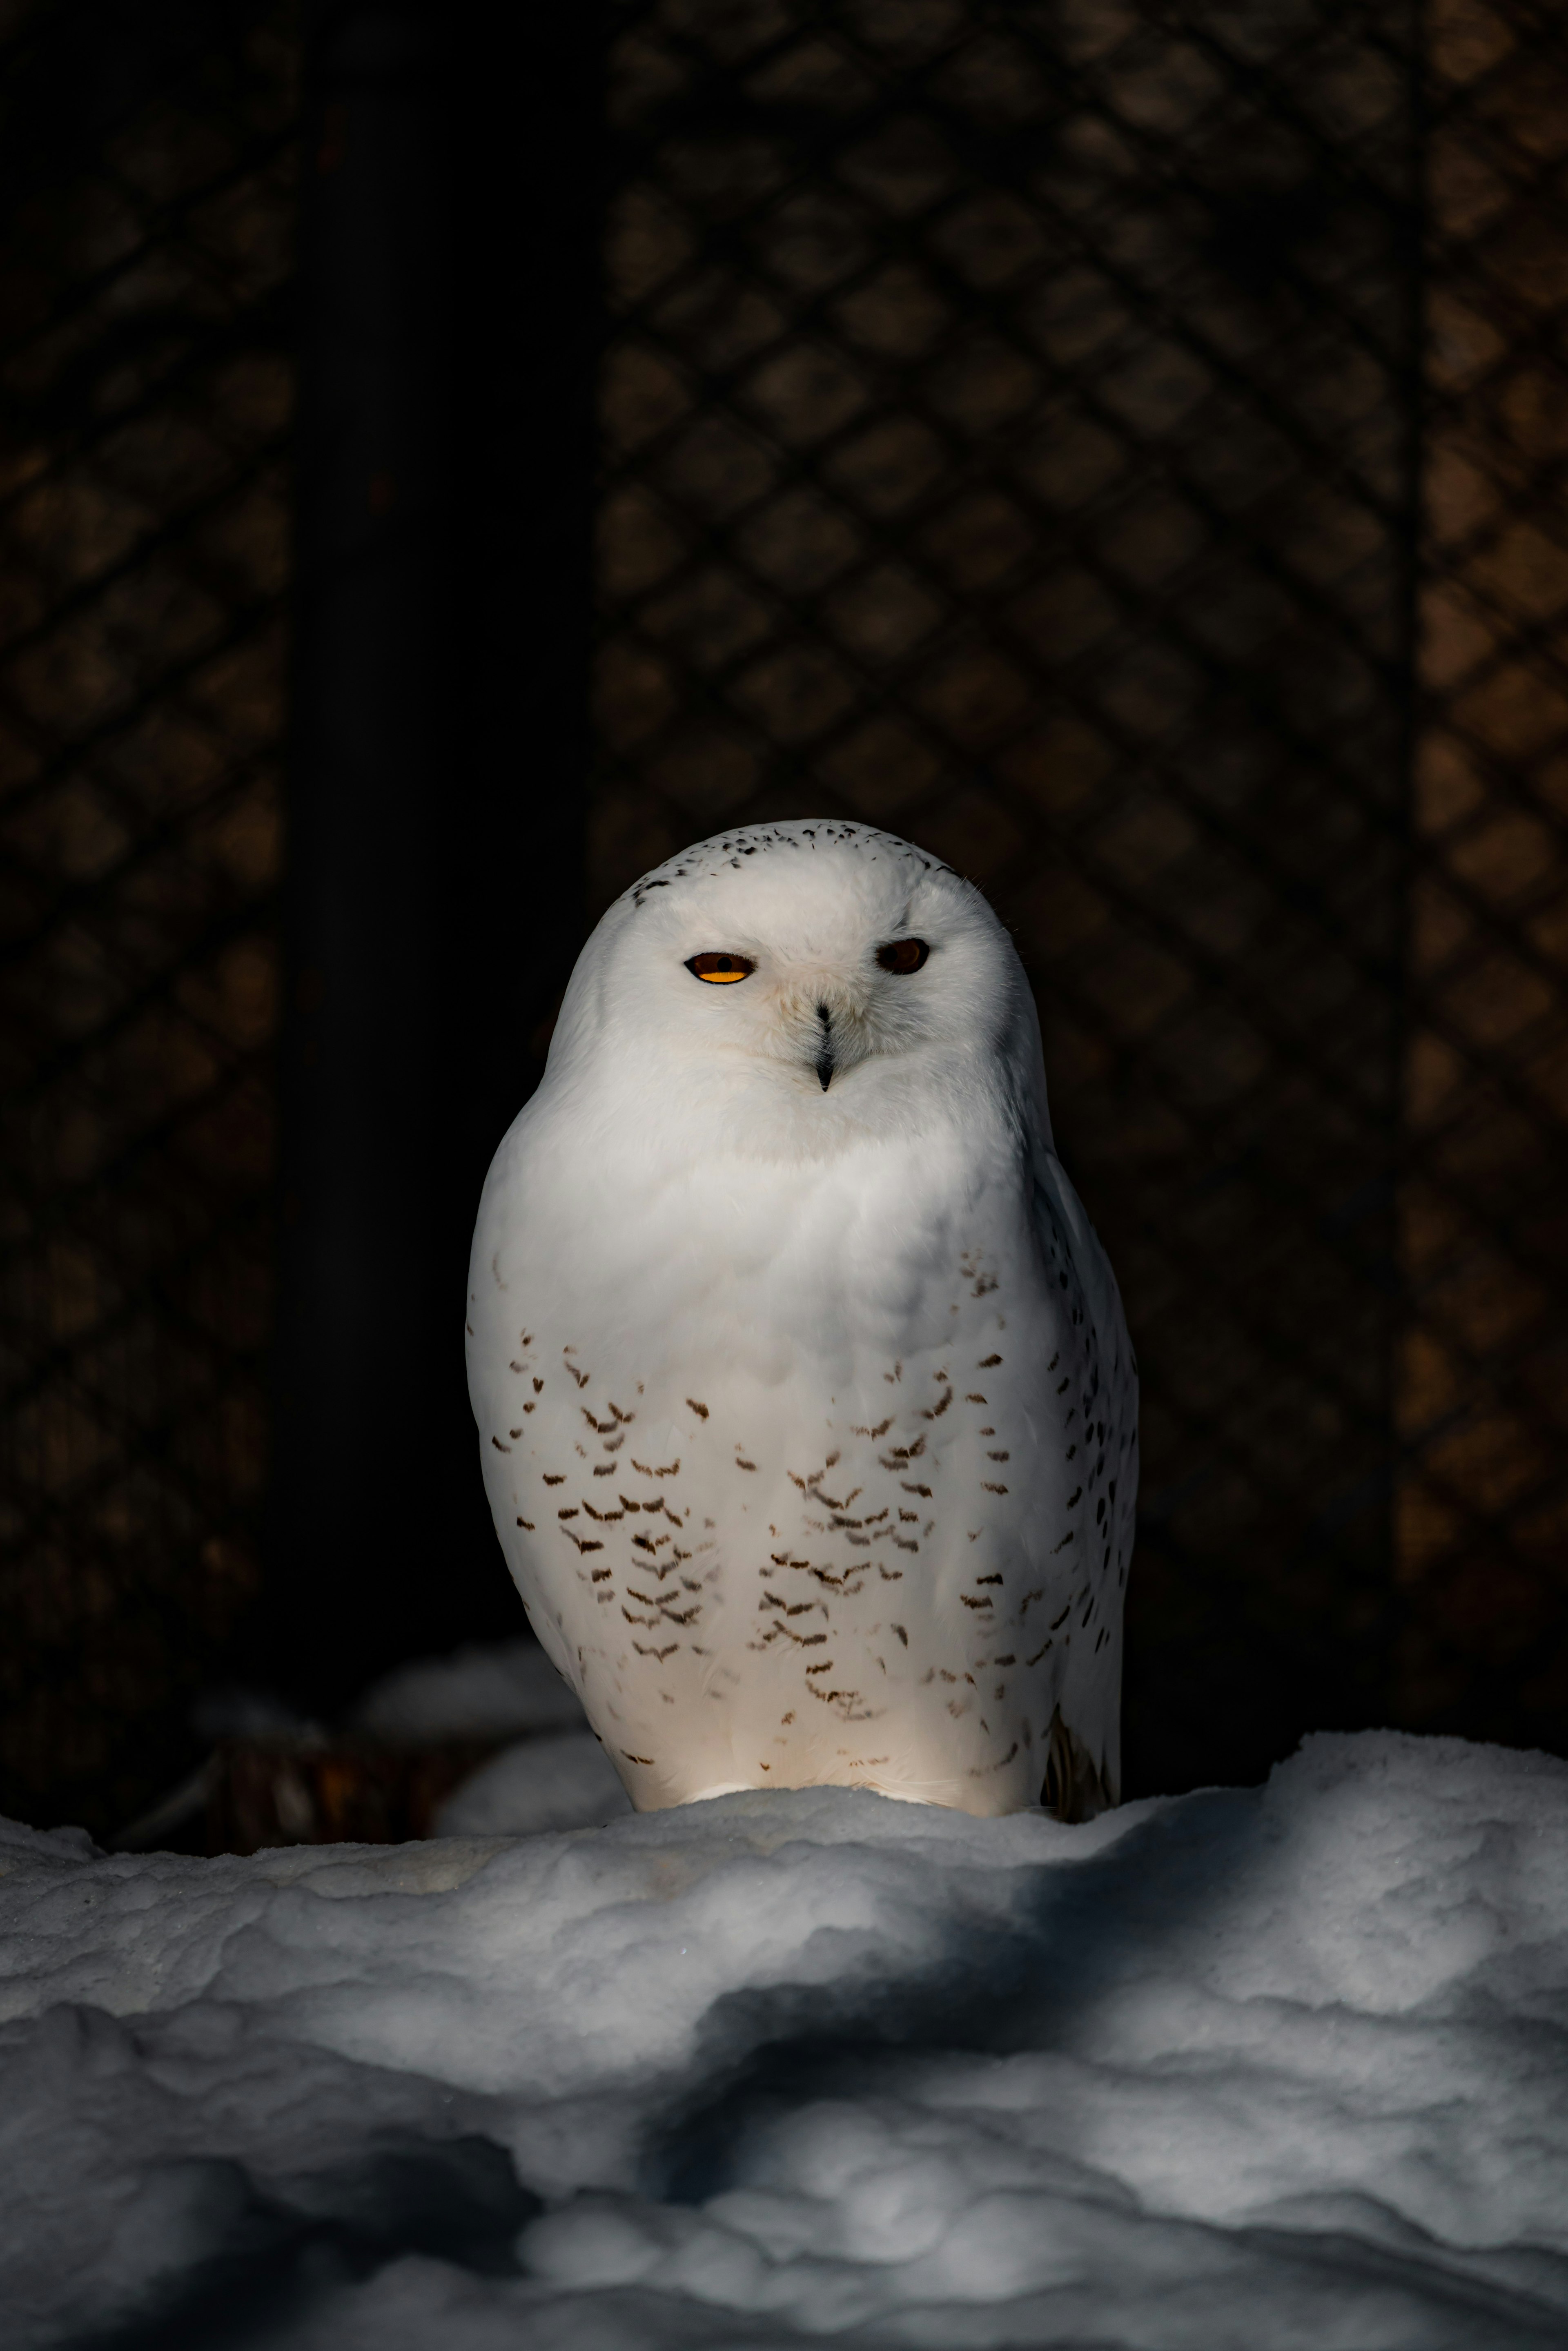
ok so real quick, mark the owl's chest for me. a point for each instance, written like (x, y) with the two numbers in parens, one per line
(832, 1432)
(741, 1274)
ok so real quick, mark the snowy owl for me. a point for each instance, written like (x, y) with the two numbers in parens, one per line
(805, 1400)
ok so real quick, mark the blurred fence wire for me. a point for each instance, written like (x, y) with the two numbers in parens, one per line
(147, 166)
(1120, 446)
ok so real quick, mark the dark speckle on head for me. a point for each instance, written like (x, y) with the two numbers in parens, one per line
(710, 858)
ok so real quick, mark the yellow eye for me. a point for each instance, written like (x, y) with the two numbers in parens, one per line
(902, 955)
(720, 970)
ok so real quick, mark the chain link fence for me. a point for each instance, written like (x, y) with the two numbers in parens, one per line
(1120, 446)
(1481, 1407)
(147, 161)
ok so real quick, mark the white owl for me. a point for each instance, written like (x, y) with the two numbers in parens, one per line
(805, 1400)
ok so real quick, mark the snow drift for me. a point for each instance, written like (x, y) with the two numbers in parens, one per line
(1282, 2066)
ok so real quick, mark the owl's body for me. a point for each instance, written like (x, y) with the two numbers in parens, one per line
(806, 1403)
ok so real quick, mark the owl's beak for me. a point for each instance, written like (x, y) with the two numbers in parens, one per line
(819, 1023)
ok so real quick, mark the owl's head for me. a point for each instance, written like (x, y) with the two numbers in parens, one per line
(802, 984)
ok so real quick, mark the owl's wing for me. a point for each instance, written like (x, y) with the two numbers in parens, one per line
(1084, 1775)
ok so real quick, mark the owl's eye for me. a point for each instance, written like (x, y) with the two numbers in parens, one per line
(902, 955)
(720, 970)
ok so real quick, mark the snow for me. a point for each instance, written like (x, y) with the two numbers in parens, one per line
(542, 1782)
(491, 1690)
(567, 1783)
(1282, 2066)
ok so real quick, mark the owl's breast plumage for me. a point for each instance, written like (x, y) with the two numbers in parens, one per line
(797, 1487)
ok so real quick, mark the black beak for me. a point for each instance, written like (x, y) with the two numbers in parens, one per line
(825, 1057)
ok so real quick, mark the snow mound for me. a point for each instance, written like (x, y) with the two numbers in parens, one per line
(497, 1689)
(567, 1783)
(1281, 2067)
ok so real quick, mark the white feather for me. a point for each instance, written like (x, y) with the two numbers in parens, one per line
(785, 1394)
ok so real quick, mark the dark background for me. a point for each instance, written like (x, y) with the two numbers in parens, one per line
(1118, 446)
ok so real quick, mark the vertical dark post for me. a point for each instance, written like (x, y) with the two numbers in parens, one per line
(435, 850)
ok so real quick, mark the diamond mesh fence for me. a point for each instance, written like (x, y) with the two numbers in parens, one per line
(1120, 446)
(1481, 1525)
(145, 381)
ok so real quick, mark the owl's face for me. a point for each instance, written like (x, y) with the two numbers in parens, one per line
(807, 988)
